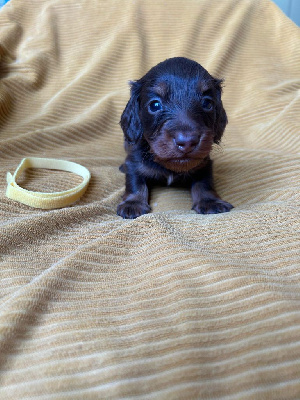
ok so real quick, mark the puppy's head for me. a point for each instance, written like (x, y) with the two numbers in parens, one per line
(176, 107)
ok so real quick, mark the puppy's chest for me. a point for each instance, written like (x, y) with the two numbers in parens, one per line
(161, 175)
(170, 179)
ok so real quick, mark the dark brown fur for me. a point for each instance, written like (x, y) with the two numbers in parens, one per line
(170, 123)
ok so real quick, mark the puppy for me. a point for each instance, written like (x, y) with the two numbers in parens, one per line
(170, 123)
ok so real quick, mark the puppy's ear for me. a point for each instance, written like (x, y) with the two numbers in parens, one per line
(220, 116)
(130, 119)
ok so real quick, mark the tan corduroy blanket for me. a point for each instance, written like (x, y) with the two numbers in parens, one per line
(172, 305)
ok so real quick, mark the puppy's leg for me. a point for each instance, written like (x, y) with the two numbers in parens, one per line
(205, 198)
(135, 199)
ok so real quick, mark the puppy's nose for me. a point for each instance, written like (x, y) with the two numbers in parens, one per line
(186, 142)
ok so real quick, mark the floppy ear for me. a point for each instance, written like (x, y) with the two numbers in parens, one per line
(130, 119)
(220, 116)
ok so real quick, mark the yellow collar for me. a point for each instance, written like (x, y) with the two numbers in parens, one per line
(47, 200)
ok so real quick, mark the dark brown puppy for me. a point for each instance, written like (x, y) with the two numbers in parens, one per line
(173, 117)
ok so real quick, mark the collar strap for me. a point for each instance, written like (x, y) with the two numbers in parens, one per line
(47, 200)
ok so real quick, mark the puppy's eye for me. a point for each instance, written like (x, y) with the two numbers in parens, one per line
(207, 104)
(155, 106)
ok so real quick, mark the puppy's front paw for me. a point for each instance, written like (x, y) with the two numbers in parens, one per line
(210, 206)
(132, 209)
